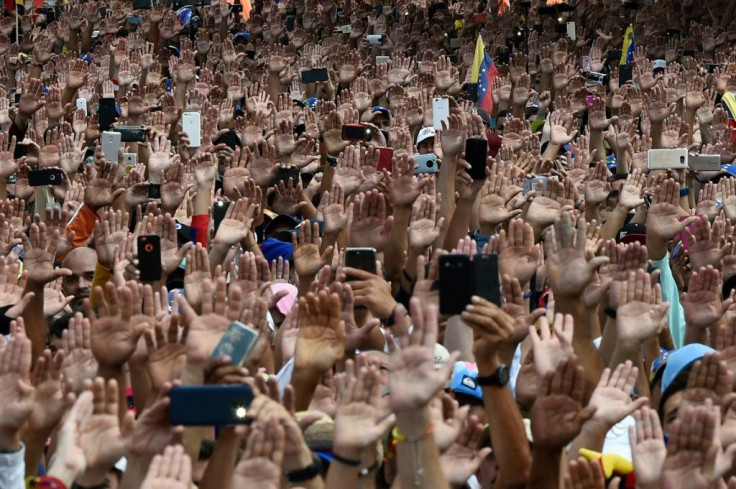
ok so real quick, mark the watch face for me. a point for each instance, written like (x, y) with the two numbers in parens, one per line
(503, 374)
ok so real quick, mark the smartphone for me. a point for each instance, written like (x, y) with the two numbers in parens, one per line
(476, 152)
(571, 32)
(344, 29)
(108, 113)
(290, 23)
(585, 63)
(425, 164)
(530, 184)
(594, 78)
(130, 159)
(149, 257)
(382, 59)
(192, 125)
(356, 132)
(210, 405)
(486, 281)
(704, 162)
(131, 134)
(625, 73)
(480, 18)
(49, 176)
(284, 173)
(456, 43)
(361, 258)
(82, 104)
(111, 142)
(218, 212)
(664, 159)
(385, 158)
(456, 283)
(440, 112)
(712, 66)
(374, 39)
(314, 76)
(154, 191)
(237, 343)
(614, 55)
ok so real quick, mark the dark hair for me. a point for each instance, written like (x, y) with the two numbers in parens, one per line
(58, 325)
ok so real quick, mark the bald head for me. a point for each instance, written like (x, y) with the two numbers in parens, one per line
(81, 261)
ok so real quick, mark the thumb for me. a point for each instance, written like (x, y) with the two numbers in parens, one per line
(598, 262)
(118, 193)
(61, 272)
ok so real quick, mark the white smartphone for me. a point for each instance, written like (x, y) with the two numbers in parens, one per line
(440, 112)
(571, 30)
(192, 125)
(382, 59)
(82, 104)
(585, 63)
(666, 159)
(374, 39)
(130, 160)
(111, 142)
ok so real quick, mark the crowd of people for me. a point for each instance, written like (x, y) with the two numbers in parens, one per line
(557, 311)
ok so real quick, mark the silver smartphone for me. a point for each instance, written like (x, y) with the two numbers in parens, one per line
(111, 142)
(667, 159)
(704, 162)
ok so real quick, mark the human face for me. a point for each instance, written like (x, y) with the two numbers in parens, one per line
(671, 410)
(426, 146)
(79, 283)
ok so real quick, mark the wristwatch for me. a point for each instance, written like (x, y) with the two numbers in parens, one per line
(307, 473)
(500, 378)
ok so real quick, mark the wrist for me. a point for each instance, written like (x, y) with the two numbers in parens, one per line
(386, 309)
(91, 477)
(9, 441)
(413, 424)
(299, 460)
(347, 451)
(487, 363)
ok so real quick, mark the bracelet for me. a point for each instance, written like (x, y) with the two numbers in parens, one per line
(44, 482)
(307, 473)
(345, 461)
(399, 437)
(684, 191)
(365, 471)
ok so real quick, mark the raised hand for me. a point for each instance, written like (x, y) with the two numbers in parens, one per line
(552, 346)
(170, 470)
(79, 363)
(17, 395)
(612, 397)
(236, 225)
(370, 226)
(321, 340)
(517, 254)
(40, 253)
(263, 458)
(638, 317)
(308, 259)
(648, 450)
(701, 304)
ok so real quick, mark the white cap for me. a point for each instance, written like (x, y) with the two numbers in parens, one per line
(659, 63)
(425, 133)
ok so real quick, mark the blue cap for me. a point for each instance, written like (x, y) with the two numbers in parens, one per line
(465, 380)
(185, 15)
(381, 109)
(272, 249)
(680, 359)
(244, 35)
(87, 58)
(311, 102)
(730, 169)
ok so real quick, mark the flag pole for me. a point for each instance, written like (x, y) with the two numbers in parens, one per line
(17, 30)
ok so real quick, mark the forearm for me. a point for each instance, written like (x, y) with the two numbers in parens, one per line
(304, 383)
(34, 320)
(591, 436)
(459, 337)
(109, 372)
(551, 152)
(656, 135)
(397, 243)
(35, 443)
(545, 471)
(203, 199)
(596, 143)
(592, 212)
(418, 456)
(220, 468)
(615, 221)
(582, 342)
(135, 472)
(140, 382)
(459, 223)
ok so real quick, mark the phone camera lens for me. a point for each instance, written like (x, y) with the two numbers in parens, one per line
(148, 247)
(52, 177)
(430, 164)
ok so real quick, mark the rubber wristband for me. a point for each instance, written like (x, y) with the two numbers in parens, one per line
(365, 471)
(345, 461)
(307, 473)
(684, 191)
(399, 437)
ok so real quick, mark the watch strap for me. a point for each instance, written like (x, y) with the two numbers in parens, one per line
(307, 473)
(494, 380)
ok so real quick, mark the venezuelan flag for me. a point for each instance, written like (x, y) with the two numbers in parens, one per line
(483, 72)
(628, 47)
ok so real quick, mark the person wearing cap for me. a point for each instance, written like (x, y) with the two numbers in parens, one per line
(674, 381)
(425, 140)
(377, 115)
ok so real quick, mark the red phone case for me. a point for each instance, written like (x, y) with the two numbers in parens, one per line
(385, 159)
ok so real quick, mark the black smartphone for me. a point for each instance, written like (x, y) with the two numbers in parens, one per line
(149, 257)
(251, 54)
(49, 176)
(131, 134)
(284, 173)
(713, 66)
(154, 191)
(210, 405)
(486, 281)
(456, 283)
(476, 152)
(547, 10)
(290, 23)
(314, 76)
(218, 212)
(625, 73)
(631, 5)
(107, 113)
(356, 132)
(361, 258)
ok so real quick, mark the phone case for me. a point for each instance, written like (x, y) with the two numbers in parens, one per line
(361, 258)
(476, 152)
(49, 176)
(663, 159)
(154, 191)
(485, 278)
(218, 212)
(531, 184)
(131, 134)
(456, 283)
(149, 257)
(704, 162)
(111, 145)
(107, 113)
(210, 405)
(440, 112)
(385, 159)
(316, 75)
(191, 124)
(131, 159)
(356, 132)
(283, 174)
(425, 164)
(237, 343)
(82, 104)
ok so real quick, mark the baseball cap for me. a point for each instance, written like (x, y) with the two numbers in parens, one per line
(311, 102)
(631, 232)
(245, 36)
(680, 360)
(425, 133)
(441, 355)
(285, 304)
(465, 380)
(659, 63)
(272, 249)
(484, 115)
